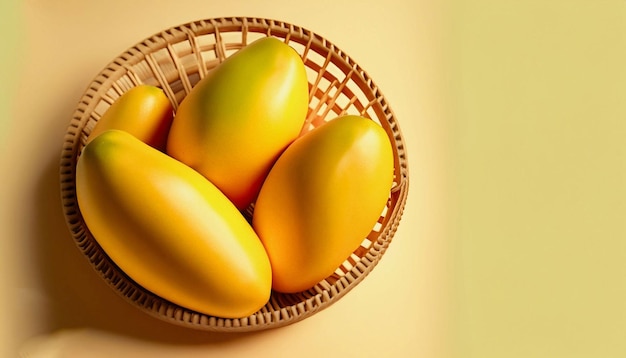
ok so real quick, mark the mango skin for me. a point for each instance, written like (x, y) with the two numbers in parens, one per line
(322, 198)
(235, 122)
(170, 229)
(143, 111)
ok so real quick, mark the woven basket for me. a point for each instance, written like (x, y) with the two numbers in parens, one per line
(175, 60)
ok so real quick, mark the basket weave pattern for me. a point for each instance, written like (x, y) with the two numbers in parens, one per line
(175, 60)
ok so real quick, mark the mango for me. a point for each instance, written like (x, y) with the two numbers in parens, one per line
(235, 122)
(322, 198)
(143, 111)
(169, 229)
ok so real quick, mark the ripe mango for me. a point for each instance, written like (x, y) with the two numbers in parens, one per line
(169, 228)
(235, 122)
(143, 111)
(322, 198)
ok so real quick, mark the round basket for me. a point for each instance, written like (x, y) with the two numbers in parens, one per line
(175, 60)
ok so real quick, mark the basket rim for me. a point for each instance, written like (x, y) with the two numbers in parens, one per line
(276, 313)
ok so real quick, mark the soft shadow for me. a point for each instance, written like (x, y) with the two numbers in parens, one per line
(78, 297)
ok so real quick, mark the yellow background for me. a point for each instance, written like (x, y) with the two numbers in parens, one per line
(512, 243)
(537, 114)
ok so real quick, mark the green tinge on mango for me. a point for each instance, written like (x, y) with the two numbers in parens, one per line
(322, 198)
(170, 229)
(235, 122)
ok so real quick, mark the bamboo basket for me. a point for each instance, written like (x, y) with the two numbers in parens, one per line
(175, 60)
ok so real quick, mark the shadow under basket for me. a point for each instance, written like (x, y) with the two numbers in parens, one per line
(175, 60)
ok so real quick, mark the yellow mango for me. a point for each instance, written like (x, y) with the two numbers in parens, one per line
(143, 111)
(235, 122)
(170, 229)
(322, 198)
